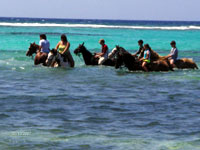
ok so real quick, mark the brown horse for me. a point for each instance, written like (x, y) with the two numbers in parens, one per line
(40, 58)
(183, 63)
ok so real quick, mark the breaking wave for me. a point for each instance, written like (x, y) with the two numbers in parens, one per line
(100, 26)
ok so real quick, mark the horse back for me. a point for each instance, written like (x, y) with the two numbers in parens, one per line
(186, 63)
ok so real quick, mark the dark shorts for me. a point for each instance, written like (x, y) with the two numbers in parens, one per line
(174, 59)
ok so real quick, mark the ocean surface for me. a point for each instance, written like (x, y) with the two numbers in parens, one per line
(97, 108)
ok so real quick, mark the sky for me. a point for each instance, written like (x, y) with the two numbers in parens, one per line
(180, 10)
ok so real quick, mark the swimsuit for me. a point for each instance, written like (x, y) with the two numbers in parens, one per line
(145, 55)
(61, 48)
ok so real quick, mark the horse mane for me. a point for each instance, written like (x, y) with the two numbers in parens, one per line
(123, 51)
(127, 59)
(154, 55)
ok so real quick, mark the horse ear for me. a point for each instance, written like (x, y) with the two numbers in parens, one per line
(83, 43)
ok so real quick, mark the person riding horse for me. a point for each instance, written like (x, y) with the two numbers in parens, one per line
(147, 57)
(63, 48)
(140, 52)
(103, 55)
(41, 50)
(44, 45)
(173, 54)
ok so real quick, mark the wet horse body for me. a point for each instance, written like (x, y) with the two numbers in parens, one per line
(55, 59)
(89, 58)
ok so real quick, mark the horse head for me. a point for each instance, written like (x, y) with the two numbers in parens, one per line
(119, 58)
(32, 49)
(123, 57)
(51, 57)
(113, 53)
(79, 49)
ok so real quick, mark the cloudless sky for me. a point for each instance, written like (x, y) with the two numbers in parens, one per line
(186, 10)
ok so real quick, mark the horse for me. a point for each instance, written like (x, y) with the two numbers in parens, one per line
(183, 63)
(133, 63)
(89, 58)
(40, 58)
(55, 59)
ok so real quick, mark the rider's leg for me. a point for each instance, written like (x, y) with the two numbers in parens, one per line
(71, 60)
(144, 66)
(172, 63)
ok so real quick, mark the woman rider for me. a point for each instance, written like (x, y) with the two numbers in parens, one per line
(146, 58)
(63, 49)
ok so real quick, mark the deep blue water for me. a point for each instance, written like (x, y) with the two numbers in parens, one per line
(98, 21)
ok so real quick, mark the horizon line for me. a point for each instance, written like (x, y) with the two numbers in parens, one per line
(100, 19)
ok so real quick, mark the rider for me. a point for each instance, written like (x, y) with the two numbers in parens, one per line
(63, 49)
(146, 59)
(141, 50)
(173, 54)
(103, 55)
(44, 44)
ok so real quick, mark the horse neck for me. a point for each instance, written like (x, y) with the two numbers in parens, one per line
(154, 55)
(129, 61)
(87, 56)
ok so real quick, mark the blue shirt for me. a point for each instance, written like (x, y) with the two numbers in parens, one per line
(174, 53)
(45, 46)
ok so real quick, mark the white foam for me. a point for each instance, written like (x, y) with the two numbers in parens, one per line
(100, 26)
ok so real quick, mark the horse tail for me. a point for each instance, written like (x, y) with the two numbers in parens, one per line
(196, 67)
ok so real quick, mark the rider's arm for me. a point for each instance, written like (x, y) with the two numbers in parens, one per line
(147, 55)
(40, 46)
(56, 48)
(141, 59)
(104, 50)
(66, 48)
(170, 55)
(101, 54)
(138, 52)
(97, 55)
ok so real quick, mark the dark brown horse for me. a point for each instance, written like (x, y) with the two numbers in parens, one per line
(40, 58)
(89, 57)
(133, 64)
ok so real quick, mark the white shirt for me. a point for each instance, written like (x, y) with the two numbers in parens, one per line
(45, 46)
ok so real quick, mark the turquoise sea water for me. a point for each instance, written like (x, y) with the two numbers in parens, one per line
(98, 107)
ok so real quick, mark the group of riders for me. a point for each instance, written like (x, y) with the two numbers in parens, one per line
(143, 54)
(62, 47)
